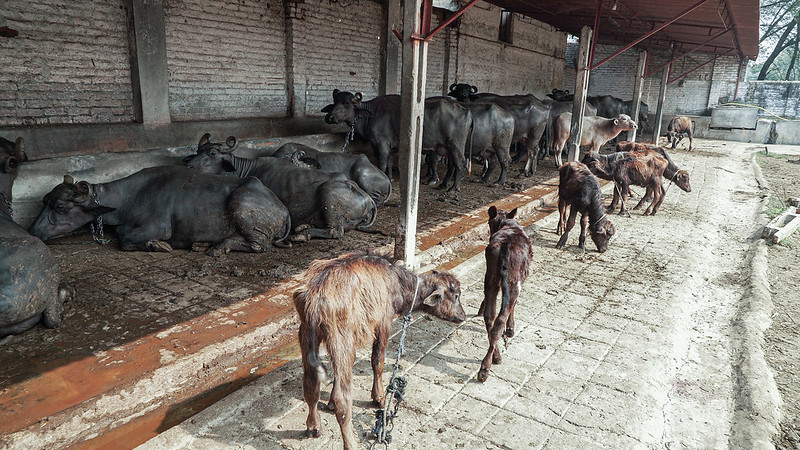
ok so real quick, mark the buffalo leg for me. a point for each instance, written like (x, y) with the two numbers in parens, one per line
(237, 244)
(448, 175)
(505, 162)
(582, 237)
(497, 330)
(491, 287)
(382, 154)
(52, 314)
(562, 216)
(623, 189)
(432, 160)
(342, 396)
(658, 197)
(573, 213)
(689, 133)
(378, 354)
(309, 346)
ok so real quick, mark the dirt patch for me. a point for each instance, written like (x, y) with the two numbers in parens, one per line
(123, 296)
(782, 344)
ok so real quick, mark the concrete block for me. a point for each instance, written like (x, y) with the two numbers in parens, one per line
(787, 132)
(734, 117)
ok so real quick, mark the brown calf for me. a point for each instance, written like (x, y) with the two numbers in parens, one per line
(349, 303)
(579, 190)
(596, 131)
(676, 129)
(631, 168)
(672, 172)
(508, 257)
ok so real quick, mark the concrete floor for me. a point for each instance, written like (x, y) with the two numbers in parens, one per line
(653, 344)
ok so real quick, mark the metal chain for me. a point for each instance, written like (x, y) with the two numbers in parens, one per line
(350, 135)
(97, 234)
(394, 391)
(8, 205)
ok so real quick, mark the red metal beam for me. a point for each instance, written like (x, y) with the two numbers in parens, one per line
(425, 23)
(654, 31)
(456, 15)
(698, 47)
(738, 77)
(699, 66)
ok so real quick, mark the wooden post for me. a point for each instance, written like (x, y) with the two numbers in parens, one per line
(662, 95)
(412, 108)
(637, 93)
(391, 49)
(581, 88)
(149, 74)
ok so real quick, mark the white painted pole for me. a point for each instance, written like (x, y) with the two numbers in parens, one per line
(637, 94)
(581, 90)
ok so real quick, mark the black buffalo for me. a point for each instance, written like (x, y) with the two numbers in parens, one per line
(464, 92)
(447, 126)
(610, 106)
(561, 95)
(321, 204)
(355, 167)
(29, 275)
(166, 207)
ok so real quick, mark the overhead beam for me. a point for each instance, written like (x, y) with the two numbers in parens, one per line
(697, 67)
(654, 31)
(698, 47)
(412, 109)
(456, 15)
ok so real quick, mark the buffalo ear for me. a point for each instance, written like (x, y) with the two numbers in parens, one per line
(68, 179)
(335, 93)
(512, 214)
(10, 164)
(328, 108)
(616, 121)
(473, 89)
(492, 212)
(357, 97)
(433, 299)
(227, 166)
(452, 86)
(204, 140)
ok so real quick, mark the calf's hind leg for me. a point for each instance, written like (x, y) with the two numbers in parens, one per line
(310, 382)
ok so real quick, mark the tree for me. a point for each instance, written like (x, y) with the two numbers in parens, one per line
(780, 34)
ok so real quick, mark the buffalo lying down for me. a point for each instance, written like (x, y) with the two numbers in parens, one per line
(355, 167)
(161, 208)
(321, 204)
(29, 289)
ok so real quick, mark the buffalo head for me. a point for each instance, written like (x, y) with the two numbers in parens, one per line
(11, 155)
(497, 216)
(601, 233)
(444, 301)
(624, 122)
(346, 107)
(462, 91)
(212, 157)
(66, 208)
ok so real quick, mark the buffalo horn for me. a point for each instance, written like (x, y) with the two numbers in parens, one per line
(357, 96)
(453, 86)
(204, 140)
(231, 142)
(84, 190)
(473, 89)
(19, 153)
(68, 179)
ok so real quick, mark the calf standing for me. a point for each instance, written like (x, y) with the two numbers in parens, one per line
(676, 129)
(349, 303)
(508, 257)
(596, 131)
(673, 173)
(579, 190)
(633, 168)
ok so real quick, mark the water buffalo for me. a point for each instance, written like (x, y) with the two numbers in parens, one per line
(561, 95)
(556, 109)
(491, 138)
(678, 126)
(610, 106)
(321, 204)
(354, 166)
(29, 275)
(467, 93)
(166, 207)
(447, 126)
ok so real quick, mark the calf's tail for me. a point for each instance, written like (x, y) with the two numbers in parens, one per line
(309, 337)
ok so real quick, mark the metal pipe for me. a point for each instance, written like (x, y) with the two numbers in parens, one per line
(701, 65)
(654, 31)
(687, 53)
(738, 77)
(447, 22)
(595, 31)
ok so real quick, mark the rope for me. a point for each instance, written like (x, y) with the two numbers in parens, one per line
(762, 109)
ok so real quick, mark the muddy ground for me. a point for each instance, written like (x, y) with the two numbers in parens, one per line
(122, 296)
(783, 338)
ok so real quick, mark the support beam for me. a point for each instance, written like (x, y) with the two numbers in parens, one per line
(662, 95)
(149, 75)
(738, 78)
(636, 103)
(581, 90)
(682, 55)
(412, 108)
(389, 84)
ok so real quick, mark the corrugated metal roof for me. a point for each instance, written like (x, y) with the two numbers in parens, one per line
(623, 21)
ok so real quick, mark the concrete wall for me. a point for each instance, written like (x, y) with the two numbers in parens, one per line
(69, 63)
(779, 97)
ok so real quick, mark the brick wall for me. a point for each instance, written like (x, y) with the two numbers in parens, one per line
(533, 63)
(336, 46)
(69, 63)
(779, 97)
(225, 59)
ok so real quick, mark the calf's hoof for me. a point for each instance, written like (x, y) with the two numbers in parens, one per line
(509, 332)
(483, 375)
(331, 405)
(497, 359)
(158, 246)
(312, 433)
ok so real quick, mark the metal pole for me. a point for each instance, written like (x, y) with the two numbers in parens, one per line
(637, 93)
(412, 109)
(738, 78)
(581, 88)
(662, 95)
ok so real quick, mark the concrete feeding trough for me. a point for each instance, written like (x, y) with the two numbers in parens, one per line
(782, 226)
(732, 117)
